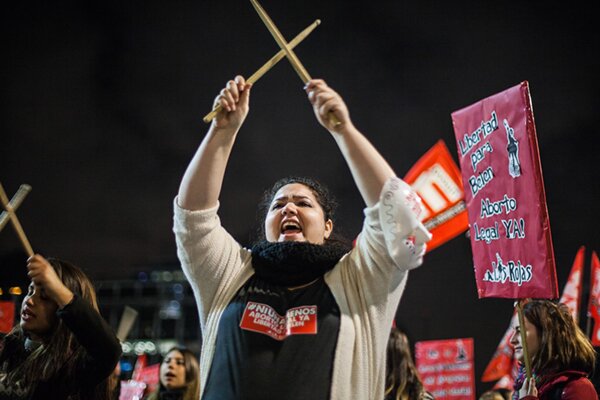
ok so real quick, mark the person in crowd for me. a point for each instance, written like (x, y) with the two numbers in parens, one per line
(299, 315)
(179, 376)
(62, 348)
(561, 355)
(496, 394)
(402, 381)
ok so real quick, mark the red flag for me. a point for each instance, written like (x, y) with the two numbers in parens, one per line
(7, 316)
(502, 361)
(437, 180)
(506, 201)
(140, 364)
(571, 296)
(594, 303)
(506, 382)
(150, 375)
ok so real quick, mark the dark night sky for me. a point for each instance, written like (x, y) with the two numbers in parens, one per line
(102, 106)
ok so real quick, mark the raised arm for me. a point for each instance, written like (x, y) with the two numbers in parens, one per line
(203, 178)
(369, 169)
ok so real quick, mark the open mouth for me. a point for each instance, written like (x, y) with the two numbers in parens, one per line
(290, 228)
(26, 314)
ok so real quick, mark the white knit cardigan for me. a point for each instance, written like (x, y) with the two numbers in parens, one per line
(366, 283)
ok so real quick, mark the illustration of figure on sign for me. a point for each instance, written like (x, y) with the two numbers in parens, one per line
(514, 166)
(461, 355)
(498, 273)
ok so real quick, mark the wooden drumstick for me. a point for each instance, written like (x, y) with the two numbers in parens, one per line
(291, 56)
(15, 202)
(268, 65)
(15, 221)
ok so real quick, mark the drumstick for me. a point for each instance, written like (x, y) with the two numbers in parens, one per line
(15, 202)
(268, 65)
(15, 222)
(291, 56)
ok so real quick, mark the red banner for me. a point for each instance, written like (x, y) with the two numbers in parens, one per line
(447, 368)
(504, 191)
(150, 375)
(506, 382)
(594, 303)
(7, 316)
(140, 364)
(436, 178)
(571, 296)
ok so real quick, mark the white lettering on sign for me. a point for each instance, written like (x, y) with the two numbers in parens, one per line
(515, 228)
(490, 208)
(471, 140)
(513, 271)
(486, 234)
(478, 155)
(478, 182)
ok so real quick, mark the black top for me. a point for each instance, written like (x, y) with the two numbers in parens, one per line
(102, 347)
(273, 342)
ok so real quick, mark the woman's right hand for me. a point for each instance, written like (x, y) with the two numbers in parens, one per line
(43, 275)
(234, 101)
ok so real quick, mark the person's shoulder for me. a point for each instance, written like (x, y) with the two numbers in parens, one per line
(580, 388)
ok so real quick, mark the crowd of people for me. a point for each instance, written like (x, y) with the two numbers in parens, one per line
(302, 314)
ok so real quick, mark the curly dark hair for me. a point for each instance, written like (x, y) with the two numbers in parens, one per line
(324, 197)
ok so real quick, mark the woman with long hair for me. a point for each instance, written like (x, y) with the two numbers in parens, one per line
(61, 348)
(402, 380)
(562, 357)
(299, 315)
(179, 376)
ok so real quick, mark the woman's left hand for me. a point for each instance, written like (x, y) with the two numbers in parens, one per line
(44, 276)
(327, 103)
(528, 388)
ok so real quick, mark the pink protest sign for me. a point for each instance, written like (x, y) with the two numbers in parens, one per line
(504, 191)
(447, 368)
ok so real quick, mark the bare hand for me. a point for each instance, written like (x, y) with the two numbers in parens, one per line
(528, 388)
(44, 277)
(234, 100)
(325, 100)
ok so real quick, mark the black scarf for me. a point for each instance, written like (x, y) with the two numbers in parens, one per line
(295, 263)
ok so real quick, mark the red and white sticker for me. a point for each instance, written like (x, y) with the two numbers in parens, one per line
(262, 318)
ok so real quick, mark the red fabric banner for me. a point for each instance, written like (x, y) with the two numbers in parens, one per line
(502, 361)
(506, 382)
(140, 364)
(437, 180)
(150, 375)
(447, 368)
(504, 191)
(594, 303)
(7, 316)
(571, 296)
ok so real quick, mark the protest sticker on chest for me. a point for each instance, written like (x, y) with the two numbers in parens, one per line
(262, 318)
(504, 191)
